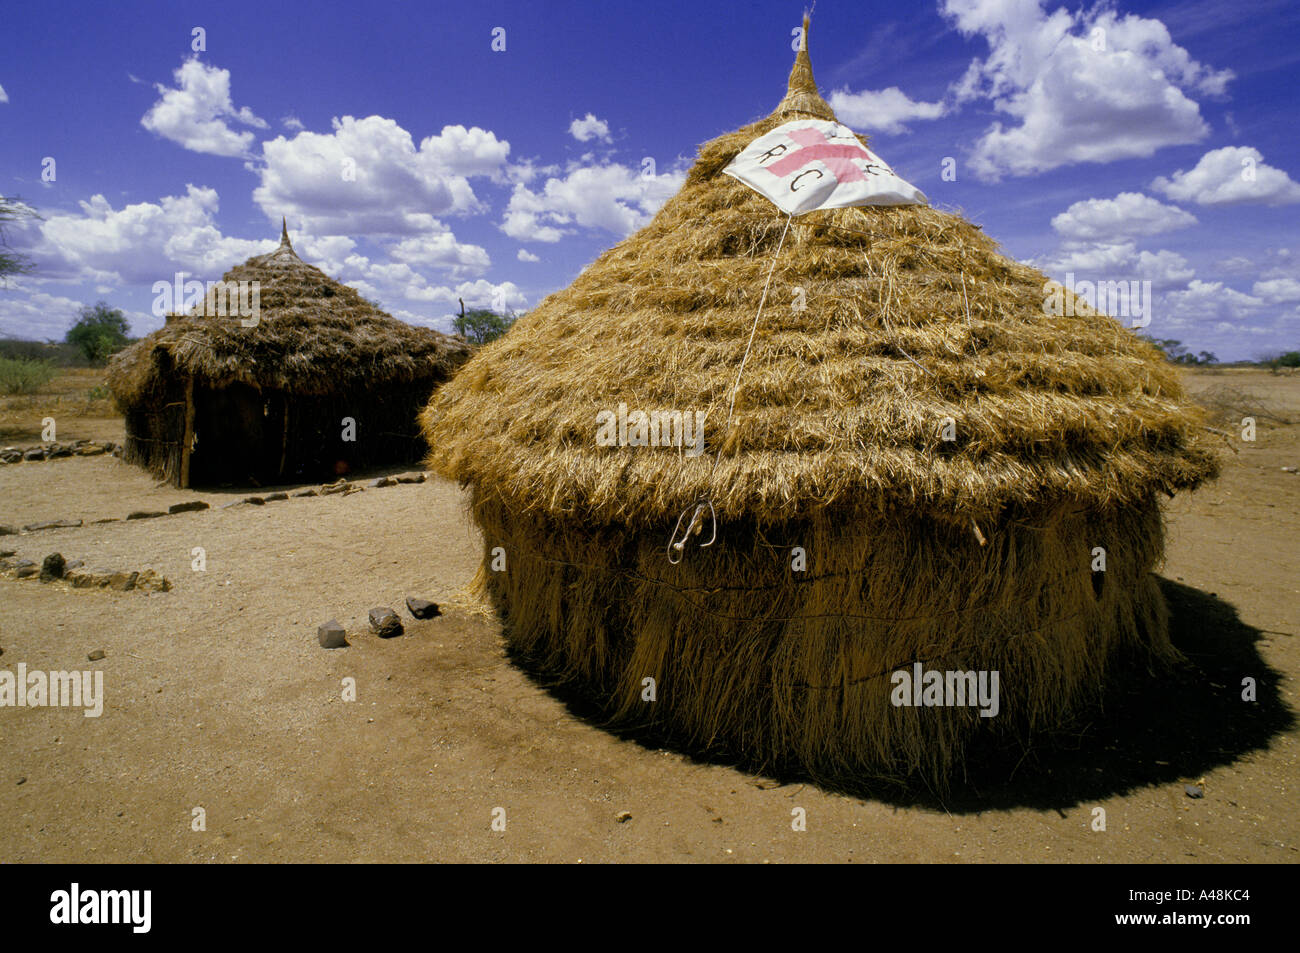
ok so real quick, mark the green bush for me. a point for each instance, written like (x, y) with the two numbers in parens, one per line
(20, 376)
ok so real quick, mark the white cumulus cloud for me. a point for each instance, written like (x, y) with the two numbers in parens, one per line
(37, 315)
(1164, 269)
(1205, 301)
(525, 255)
(613, 197)
(502, 297)
(1127, 215)
(440, 249)
(588, 128)
(369, 177)
(1118, 261)
(481, 293)
(1090, 86)
(1085, 259)
(140, 243)
(1233, 175)
(198, 112)
(467, 152)
(885, 111)
(1277, 290)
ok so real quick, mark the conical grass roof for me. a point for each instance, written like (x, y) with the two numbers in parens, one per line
(313, 336)
(914, 324)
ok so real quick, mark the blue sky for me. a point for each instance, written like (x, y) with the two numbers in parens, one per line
(1129, 141)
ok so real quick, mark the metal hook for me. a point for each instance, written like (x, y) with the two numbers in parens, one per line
(677, 546)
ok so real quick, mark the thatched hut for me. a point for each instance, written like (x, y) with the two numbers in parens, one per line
(923, 466)
(318, 382)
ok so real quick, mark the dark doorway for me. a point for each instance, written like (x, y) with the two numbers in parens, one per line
(239, 436)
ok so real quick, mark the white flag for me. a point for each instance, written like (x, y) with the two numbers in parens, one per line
(811, 163)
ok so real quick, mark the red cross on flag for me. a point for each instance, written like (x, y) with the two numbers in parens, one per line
(811, 163)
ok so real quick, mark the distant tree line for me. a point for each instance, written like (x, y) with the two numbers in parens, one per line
(99, 333)
(1176, 352)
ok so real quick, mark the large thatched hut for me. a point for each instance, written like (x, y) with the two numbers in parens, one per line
(317, 382)
(924, 466)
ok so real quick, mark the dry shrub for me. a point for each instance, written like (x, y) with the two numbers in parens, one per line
(21, 376)
(1227, 404)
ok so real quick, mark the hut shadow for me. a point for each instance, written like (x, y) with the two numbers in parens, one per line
(1148, 728)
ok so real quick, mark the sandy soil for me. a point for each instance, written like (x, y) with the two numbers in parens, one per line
(218, 696)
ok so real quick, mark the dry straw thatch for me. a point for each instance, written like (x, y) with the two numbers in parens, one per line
(319, 350)
(969, 554)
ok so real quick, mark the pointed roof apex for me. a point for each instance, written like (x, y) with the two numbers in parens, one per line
(801, 94)
(283, 257)
(801, 74)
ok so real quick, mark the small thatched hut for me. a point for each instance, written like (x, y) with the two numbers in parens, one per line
(922, 467)
(320, 382)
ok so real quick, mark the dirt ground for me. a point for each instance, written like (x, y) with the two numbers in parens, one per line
(217, 696)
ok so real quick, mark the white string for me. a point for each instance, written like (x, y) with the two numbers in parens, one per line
(754, 330)
(676, 547)
(911, 358)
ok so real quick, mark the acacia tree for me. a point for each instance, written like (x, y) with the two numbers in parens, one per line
(1174, 350)
(1177, 352)
(481, 325)
(13, 209)
(99, 332)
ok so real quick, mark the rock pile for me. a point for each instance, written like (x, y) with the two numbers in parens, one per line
(54, 566)
(53, 451)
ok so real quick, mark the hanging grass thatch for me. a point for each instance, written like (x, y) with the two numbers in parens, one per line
(266, 403)
(968, 554)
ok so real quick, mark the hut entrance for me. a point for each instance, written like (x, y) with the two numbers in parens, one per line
(239, 436)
